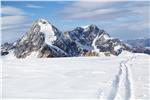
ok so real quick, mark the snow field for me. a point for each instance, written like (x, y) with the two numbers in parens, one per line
(103, 78)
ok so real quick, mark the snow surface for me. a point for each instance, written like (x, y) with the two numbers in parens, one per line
(46, 28)
(86, 26)
(106, 36)
(94, 46)
(9, 56)
(116, 48)
(123, 77)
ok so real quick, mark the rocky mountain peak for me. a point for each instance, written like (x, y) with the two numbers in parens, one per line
(92, 27)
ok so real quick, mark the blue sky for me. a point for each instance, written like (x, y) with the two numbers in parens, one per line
(124, 20)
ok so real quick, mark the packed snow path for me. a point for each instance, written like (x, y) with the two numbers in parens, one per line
(102, 78)
(122, 75)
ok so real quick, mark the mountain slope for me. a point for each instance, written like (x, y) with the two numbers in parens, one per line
(40, 38)
(44, 39)
(91, 38)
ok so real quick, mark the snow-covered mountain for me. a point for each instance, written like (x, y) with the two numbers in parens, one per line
(45, 40)
(91, 38)
(139, 42)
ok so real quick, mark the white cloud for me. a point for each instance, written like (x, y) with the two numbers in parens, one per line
(89, 10)
(107, 10)
(92, 13)
(33, 6)
(112, 11)
(11, 10)
(13, 27)
(14, 23)
(13, 34)
(10, 20)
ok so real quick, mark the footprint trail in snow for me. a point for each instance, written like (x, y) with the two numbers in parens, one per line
(122, 82)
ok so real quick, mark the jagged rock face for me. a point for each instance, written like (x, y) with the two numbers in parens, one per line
(83, 37)
(109, 46)
(31, 41)
(114, 46)
(91, 37)
(6, 47)
(68, 46)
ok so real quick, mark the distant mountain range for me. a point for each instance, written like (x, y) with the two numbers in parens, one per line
(45, 40)
(140, 45)
(139, 42)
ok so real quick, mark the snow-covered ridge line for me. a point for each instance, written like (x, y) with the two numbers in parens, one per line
(48, 41)
(46, 28)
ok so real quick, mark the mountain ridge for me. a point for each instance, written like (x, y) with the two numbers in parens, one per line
(48, 41)
(140, 45)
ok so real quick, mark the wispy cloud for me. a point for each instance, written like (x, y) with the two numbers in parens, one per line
(14, 16)
(11, 10)
(33, 6)
(14, 33)
(13, 23)
(91, 10)
(91, 14)
(13, 27)
(100, 10)
(10, 20)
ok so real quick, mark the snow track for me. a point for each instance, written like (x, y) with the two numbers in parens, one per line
(127, 83)
(115, 85)
(122, 79)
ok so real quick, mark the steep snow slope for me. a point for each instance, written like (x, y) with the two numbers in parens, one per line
(46, 28)
(124, 77)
